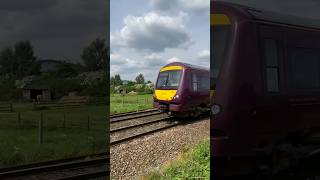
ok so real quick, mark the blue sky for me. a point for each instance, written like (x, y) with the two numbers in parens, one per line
(147, 34)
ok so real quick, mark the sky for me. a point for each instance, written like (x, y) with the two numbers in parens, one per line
(148, 34)
(57, 29)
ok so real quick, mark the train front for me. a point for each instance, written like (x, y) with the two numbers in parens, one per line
(166, 93)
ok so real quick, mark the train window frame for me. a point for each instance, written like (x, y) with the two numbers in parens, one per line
(204, 83)
(292, 88)
(268, 66)
(194, 82)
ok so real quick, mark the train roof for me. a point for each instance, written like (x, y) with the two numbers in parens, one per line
(186, 65)
(261, 15)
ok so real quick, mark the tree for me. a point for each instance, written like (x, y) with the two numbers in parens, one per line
(140, 79)
(7, 61)
(117, 80)
(112, 81)
(24, 58)
(95, 56)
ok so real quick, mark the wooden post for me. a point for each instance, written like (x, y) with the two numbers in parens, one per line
(88, 124)
(122, 100)
(11, 109)
(41, 129)
(64, 120)
(137, 103)
(19, 119)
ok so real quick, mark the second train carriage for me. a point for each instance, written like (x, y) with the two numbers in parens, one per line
(265, 74)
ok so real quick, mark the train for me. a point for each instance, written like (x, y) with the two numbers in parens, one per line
(265, 91)
(182, 90)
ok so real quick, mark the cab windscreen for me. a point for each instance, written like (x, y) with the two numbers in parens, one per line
(169, 79)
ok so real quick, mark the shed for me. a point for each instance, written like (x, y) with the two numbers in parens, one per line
(36, 93)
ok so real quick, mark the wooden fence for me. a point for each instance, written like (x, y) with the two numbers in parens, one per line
(70, 103)
(6, 107)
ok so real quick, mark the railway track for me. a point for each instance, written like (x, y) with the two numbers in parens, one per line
(84, 167)
(129, 126)
(133, 115)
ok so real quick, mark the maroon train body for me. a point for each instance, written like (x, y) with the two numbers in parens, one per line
(182, 89)
(265, 78)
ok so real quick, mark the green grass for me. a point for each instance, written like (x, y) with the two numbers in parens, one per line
(119, 104)
(19, 140)
(195, 163)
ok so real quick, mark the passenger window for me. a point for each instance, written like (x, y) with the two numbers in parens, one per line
(205, 83)
(271, 65)
(194, 82)
(304, 68)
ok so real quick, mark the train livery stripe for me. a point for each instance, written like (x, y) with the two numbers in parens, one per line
(165, 95)
(219, 19)
(168, 68)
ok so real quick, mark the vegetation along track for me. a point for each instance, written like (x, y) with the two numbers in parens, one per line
(140, 125)
(84, 167)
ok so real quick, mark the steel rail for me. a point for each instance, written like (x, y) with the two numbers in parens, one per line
(131, 113)
(118, 141)
(104, 160)
(142, 115)
(139, 124)
(58, 161)
(95, 174)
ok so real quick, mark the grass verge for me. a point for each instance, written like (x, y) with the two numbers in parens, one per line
(120, 104)
(193, 164)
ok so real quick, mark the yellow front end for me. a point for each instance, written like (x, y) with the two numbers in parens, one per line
(165, 95)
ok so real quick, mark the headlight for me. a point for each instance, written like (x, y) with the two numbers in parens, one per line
(176, 96)
(215, 109)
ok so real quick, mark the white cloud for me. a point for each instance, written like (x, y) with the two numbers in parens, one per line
(204, 55)
(193, 6)
(174, 59)
(164, 5)
(152, 32)
(116, 59)
(154, 60)
(197, 6)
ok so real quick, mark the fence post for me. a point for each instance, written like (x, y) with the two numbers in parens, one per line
(64, 120)
(122, 100)
(137, 103)
(19, 119)
(88, 124)
(41, 129)
(11, 109)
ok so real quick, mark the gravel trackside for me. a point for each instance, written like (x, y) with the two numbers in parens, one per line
(140, 156)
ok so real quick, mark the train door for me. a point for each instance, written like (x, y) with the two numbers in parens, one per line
(303, 75)
(269, 114)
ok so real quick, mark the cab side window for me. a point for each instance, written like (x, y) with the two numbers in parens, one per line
(195, 82)
(271, 65)
(205, 83)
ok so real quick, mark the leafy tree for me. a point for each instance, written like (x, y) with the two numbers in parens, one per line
(112, 81)
(66, 69)
(117, 80)
(24, 58)
(149, 82)
(7, 61)
(140, 79)
(95, 56)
